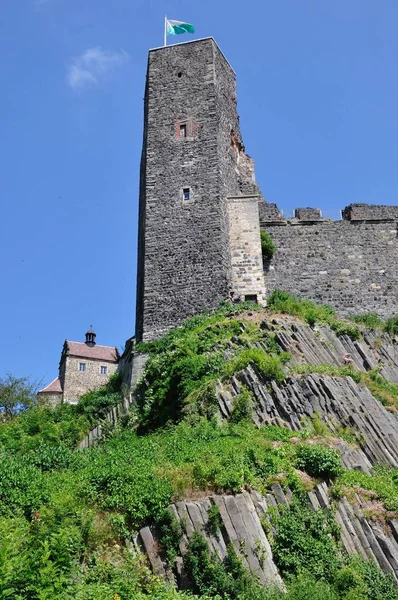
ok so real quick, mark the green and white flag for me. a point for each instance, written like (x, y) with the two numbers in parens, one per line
(178, 27)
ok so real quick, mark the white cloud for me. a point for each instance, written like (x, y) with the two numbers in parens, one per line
(94, 65)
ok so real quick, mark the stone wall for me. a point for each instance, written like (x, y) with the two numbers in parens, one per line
(76, 382)
(370, 212)
(246, 256)
(349, 264)
(192, 141)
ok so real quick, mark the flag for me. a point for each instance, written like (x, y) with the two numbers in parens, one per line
(177, 27)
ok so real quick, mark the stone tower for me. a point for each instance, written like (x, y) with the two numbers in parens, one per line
(198, 240)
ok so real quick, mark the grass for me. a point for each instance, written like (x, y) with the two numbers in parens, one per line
(383, 482)
(311, 313)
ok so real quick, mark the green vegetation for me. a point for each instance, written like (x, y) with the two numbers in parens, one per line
(16, 395)
(391, 325)
(383, 485)
(307, 551)
(184, 366)
(68, 518)
(382, 389)
(327, 369)
(312, 313)
(370, 320)
(268, 247)
(318, 461)
(242, 407)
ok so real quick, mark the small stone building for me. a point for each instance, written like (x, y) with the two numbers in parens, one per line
(84, 366)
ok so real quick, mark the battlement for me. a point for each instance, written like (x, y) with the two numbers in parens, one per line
(370, 212)
(269, 213)
(348, 263)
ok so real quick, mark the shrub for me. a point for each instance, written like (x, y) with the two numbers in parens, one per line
(306, 541)
(270, 366)
(96, 404)
(170, 535)
(342, 328)
(370, 320)
(268, 247)
(214, 520)
(363, 579)
(216, 579)
(391, 325)
(242, 407)
(201, 402)
(318, 461)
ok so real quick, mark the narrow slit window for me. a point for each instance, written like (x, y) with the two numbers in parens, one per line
(183, 130)
(186, 194)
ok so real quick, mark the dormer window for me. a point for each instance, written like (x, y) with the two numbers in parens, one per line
(183, 130)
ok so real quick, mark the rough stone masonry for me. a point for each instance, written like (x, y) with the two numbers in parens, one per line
(194, 170)
(350, 264)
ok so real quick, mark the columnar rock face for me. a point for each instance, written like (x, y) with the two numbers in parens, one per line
(193, 159)
(349, 264)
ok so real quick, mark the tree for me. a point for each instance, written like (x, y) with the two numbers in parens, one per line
(16, 395)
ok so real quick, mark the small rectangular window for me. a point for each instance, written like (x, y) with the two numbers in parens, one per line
(251, 298)
(186, 194)
(104, 370)
(183, 130)
(82, 366)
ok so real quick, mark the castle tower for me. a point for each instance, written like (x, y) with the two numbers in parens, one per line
(197, 190)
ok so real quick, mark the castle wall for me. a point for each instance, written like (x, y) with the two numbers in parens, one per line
(246, 255)
(77, 383)
(349, 264)
(192, 141)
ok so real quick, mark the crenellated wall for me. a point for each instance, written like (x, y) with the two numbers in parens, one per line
(350, 264)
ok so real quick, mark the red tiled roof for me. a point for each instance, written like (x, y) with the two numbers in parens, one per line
(80, 349)
(54, 386)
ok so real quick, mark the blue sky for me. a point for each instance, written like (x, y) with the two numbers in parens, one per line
(317, 96)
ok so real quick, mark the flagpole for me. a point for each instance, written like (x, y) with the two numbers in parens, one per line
(165, 30)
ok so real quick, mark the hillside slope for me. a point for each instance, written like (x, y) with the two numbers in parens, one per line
(258, 461)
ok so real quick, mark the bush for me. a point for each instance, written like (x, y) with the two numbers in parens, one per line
(242, 407)
(268, 247)
(342, 328)
(306, 541)
(184, 366)
(97, 404)
(270, 366)
(391, 325)
(318, 461)
(170, 535)
(370, 320)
